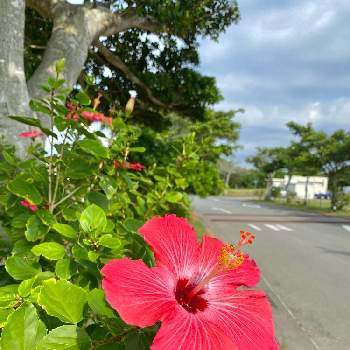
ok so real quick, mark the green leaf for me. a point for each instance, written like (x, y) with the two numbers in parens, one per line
(24, 189)
(93, 219)
(26, 120)
(66, 337)
(8, 296)
(4, 314)
(173, 197)
(65, 230)
(35, 229)
(65, 268)
(24, 330)
(79, 252)
(137, 149)
(63, 299)
(109, 186)
(99, 199)
(22, 268)
(93, 147)
(25, 287)
(83, 98)
(38, 106)
(49, 250)
(97, 302)
(60, 65)
(110, 242)
(133, 224)
(78, 168)
(138, 341)
(19, 221)
(46, 217)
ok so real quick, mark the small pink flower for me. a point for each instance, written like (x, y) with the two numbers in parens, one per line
(29, 205)
(31, 134)
(89, 116)
(193, 291)
(107, 121)
(96, 117)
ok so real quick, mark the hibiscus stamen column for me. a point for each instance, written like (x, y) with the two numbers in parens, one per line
(230, 258)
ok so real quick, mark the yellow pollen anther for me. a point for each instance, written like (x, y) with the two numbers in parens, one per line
(230, 257)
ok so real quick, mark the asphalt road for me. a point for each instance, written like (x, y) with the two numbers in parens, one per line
(305, 263)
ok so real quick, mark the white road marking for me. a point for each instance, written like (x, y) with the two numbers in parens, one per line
(346, 227)
(285, 228)
(254, 206)
(272, 227)
(257, 228)
(223, 210)
(291, 313)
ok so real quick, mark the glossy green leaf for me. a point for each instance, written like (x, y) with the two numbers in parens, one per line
(65, 268)
(25, 287)
(4, 314)
(49, 250)
(35, 229)
(26, 120)
(20, 221)
(99, 199)
(94, 147)
(78, 168)
(21, 267)
(63, 299)
(8, 296)
(66, 337)
(38, 106)
(173, 197)
(60, 65)
(109, 241)
(109, 186)
(65, 230)
(24, 189)
(24, 330)
(83, 98)
(98, 304)
(93, 219)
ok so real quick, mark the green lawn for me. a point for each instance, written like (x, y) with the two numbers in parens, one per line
(313, 205)
(244, 192)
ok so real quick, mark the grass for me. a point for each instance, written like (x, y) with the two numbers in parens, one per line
(244, 192)
(313, 206)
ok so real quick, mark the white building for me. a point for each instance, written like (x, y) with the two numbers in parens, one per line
(300, 185)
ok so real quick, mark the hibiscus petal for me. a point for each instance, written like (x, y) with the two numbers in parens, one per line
(141, 295)
(245, 317)
(185, 331)
(174, 244)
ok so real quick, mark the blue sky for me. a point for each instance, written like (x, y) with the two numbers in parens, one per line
(285, 60)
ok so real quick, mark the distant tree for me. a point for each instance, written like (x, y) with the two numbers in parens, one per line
(329, 154)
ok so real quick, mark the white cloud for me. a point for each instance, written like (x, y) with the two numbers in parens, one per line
(286, 60)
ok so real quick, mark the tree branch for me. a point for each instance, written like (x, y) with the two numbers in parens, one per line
(46, 8)
(116, 62)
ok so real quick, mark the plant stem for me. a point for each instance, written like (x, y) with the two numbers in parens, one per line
(70, 194)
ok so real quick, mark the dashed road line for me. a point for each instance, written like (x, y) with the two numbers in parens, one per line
(254, 206)
(285, 228)
(272, 227)
(346, 227)
(257, 228)
(223, 210)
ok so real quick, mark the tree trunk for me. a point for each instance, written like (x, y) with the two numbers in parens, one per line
(70, 39)
(14, 99)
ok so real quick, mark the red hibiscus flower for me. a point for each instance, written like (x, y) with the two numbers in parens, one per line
(193, 291)
(131, 166)
(136, 166)
(72, 109)
(30, 134)
(29, 205)
(96, 117)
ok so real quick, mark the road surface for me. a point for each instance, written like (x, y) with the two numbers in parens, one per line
(305, 263)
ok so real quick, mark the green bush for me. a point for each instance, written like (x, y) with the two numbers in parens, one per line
(73, 205)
